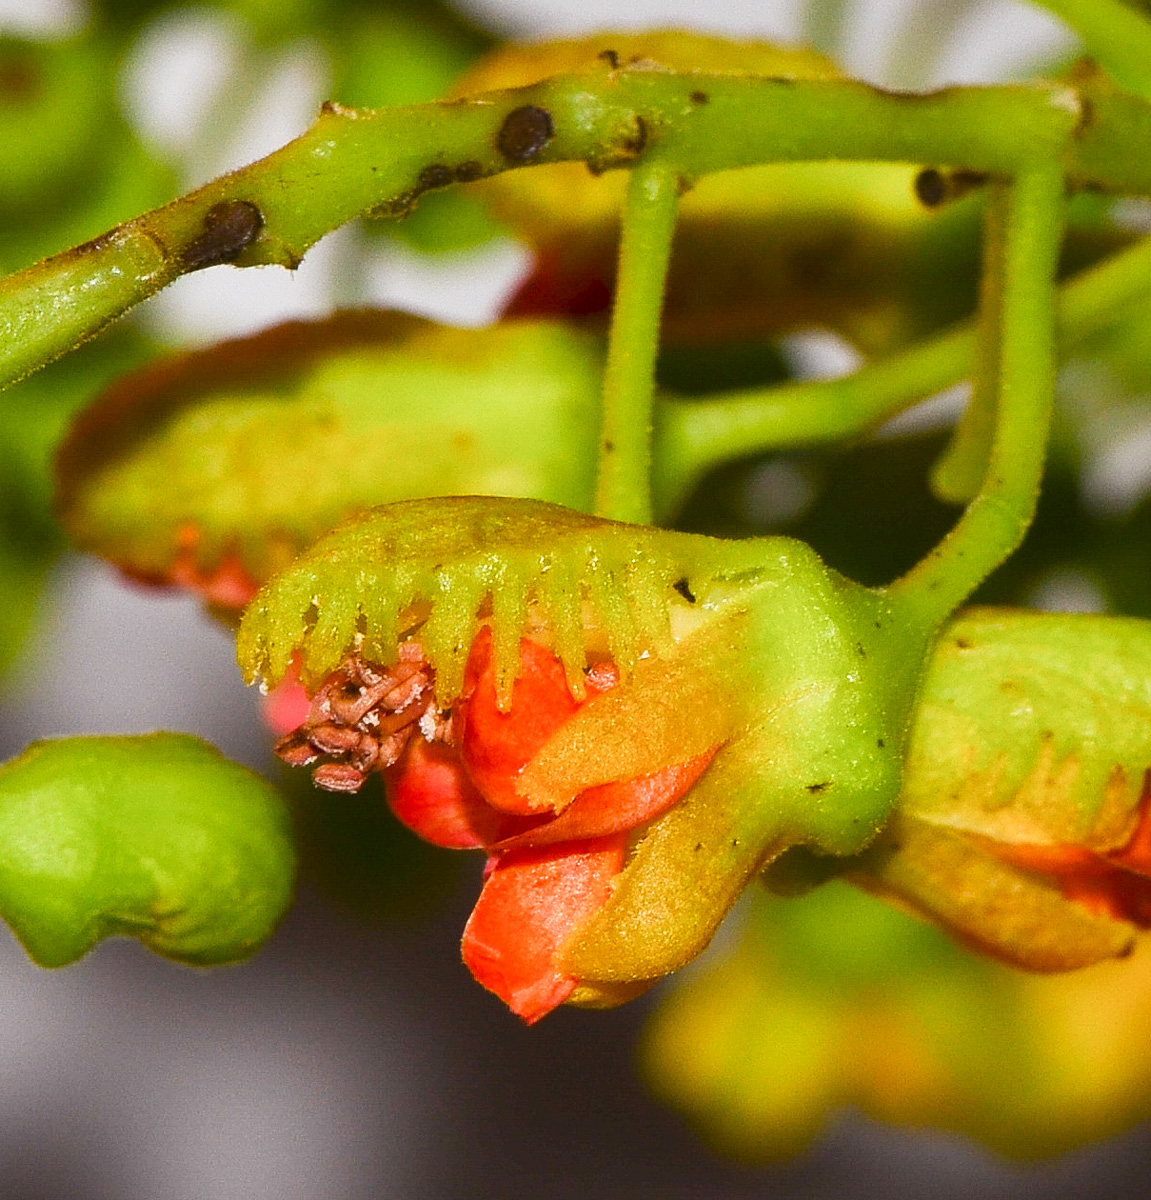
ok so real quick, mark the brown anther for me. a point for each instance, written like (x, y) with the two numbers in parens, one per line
(338, 777)
(330, 738)
(295, 749)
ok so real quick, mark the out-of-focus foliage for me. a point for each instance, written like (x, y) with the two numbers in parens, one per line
(157, 837)
(837, 1000)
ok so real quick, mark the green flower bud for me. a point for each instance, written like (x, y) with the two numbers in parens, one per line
(156, 837)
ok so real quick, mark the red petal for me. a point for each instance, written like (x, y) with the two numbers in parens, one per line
(530, 905)
(286, 706)
(615, 807)
(1116, 883)
(497, 746)
(430, 792)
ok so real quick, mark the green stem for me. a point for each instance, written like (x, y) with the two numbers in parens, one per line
(1116, 37)
(958, 474)
(995, 522)
(350, 163)
(623, 490)
(694, 436)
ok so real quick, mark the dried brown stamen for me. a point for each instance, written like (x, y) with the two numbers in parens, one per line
(361, 718)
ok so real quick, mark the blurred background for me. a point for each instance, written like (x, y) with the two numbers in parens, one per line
(354, 1056)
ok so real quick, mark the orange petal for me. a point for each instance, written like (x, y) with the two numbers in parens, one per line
(530, 905)
(614, 807)
(496, 746)
(430, 792)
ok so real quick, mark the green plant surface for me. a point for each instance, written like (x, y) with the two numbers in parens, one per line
(156, 837)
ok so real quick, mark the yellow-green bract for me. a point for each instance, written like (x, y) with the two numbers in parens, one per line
(157, 837)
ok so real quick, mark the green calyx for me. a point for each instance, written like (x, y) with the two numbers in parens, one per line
(250, 450)
(155, 837)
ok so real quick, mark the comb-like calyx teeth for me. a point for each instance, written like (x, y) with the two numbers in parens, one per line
(446, 564)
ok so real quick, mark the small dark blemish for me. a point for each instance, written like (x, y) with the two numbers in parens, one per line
(698, 847)
(435, 176)
(699, 97)
(1087, 115)
(610, 57)
(229, 228)
(963, 644)
(934, 187)
(816, 788)
(1127, 950)
(467, 171)
(681, 586)
(636, 143)
(930, 187)
(880, 743)
(860, 650)
(609, 446)
(525, 132)
(734, 842)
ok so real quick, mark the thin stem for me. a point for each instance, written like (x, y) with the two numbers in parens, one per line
(958, 474)
(694, 436)
(623, 490)
(995, 522)
(1116, 37)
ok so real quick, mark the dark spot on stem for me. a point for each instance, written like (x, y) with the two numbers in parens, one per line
(930, 187)
(467, 171)
(635, 144)
(435, 176)
(229, 228)
(525, 132)
(1087, 115)
(699, 97)
(934, 188)
(816, 788)
(610, 57)
(682, 586)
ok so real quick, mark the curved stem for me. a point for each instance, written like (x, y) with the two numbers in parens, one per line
(959, 472)
(693, 436)
(994, 523)
(623, 489)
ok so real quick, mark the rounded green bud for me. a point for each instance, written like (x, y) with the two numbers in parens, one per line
(157, 837)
